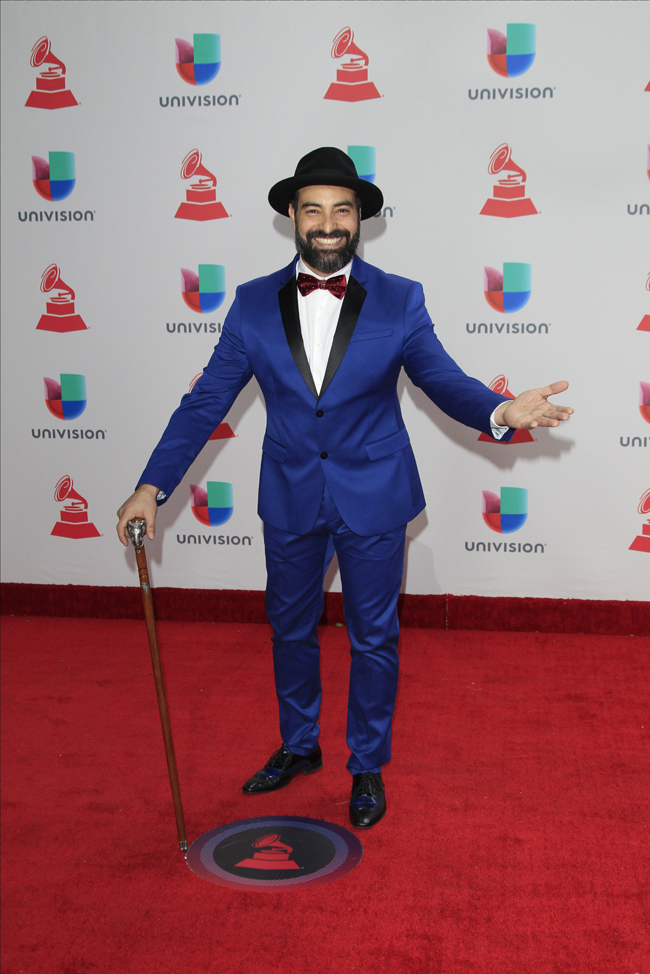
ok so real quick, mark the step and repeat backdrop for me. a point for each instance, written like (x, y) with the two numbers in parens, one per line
(510, 141)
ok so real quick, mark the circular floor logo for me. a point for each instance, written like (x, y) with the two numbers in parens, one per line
(274, 852)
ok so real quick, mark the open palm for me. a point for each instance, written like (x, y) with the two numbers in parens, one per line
(532, 408)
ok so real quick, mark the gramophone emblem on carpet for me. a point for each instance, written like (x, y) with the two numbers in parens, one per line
(274, 853)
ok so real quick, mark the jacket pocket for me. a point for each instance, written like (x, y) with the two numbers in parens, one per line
(390, 444)
(363, 336)
(275, 450)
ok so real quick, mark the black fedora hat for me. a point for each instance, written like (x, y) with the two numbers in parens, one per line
(326, 167)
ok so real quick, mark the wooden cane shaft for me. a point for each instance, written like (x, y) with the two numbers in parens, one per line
(147, 602)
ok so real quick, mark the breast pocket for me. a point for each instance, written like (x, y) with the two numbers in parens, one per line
(364, 336)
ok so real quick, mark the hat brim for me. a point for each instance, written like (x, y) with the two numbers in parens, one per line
(372, 198)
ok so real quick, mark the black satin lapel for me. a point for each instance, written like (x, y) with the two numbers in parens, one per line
(288, 297)
(355, 295)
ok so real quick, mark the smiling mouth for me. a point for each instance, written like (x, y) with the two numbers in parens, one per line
(328, 241)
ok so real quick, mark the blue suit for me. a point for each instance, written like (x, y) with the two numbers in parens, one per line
(336, 465)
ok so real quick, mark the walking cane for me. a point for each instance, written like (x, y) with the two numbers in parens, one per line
(136, 530)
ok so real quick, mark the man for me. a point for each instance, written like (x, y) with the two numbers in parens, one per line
(326, 339)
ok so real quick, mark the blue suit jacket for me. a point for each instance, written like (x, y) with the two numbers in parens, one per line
(352, 435)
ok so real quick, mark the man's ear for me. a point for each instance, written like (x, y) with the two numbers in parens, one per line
(292, 215)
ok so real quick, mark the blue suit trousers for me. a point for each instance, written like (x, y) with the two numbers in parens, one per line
(371, 574)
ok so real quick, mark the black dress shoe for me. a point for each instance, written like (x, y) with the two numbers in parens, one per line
(368, 800)
(281, 768)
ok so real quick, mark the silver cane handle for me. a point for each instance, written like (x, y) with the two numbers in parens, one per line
(136, 530)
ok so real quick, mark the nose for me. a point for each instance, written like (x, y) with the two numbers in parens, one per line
(328, 222)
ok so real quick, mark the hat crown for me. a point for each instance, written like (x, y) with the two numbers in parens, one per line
(326, 166)
(327, 159)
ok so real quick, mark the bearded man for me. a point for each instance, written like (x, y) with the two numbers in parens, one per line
(326, 338)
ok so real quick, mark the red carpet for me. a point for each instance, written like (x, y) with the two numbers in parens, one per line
(516, 840)
(595, 616)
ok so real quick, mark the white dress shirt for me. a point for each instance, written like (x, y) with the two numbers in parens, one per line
(319, 315)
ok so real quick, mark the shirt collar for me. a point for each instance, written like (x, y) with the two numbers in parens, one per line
(301, 268)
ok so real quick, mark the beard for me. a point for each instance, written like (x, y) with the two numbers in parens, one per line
(327, 261)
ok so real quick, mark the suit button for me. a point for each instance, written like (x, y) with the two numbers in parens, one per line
(319, 413)
(323, 456)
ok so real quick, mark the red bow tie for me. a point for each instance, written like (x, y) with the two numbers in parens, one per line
(336, 285)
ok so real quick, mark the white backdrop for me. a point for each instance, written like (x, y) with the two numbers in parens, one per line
(582, 141)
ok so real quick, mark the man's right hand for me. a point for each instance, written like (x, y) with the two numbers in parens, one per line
(140, 504)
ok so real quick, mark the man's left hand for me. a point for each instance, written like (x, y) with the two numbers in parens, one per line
(532, 408)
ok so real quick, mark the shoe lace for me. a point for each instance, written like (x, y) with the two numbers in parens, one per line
(279, 759)
(366, 789)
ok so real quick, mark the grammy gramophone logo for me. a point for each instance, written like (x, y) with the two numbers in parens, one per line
(500, 384)
(352, 76)
(51, 91)
(59, 310)
(642, 541)
(201, 197)
(508, 195)
(270, 853)
(73, 521)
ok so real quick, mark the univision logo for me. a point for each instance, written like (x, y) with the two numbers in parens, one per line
(508, 290)
(213, 506)
(54, 178)
(505, 513)
(508, 512)
(67, 398)
(206, 290)
(199, 63)
(513, 53)
(507, 328)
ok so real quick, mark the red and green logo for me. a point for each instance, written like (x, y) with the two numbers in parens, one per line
(508, 512)
(66, 399)
(206, 290)
(213, 506)
(199, 63)
(54, 178)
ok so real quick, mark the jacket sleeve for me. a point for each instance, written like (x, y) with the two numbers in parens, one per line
(202, 409)
(428, 365)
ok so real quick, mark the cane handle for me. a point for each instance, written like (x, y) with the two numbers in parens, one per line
(136, 530)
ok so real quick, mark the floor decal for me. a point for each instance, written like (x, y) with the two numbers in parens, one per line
(274, 853)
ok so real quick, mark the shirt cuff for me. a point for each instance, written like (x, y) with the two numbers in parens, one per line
(498, 432)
